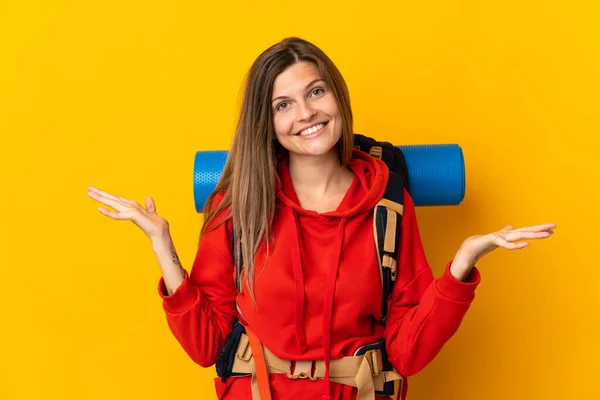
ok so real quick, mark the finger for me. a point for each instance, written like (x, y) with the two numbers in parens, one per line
(126, 201)
(116, 204)
(537, 228)
(513, 236)
(102, 193)
(507, 228)
(501, 242)
(112, 214)
(150, 206)
(129, 215)
(110, 196)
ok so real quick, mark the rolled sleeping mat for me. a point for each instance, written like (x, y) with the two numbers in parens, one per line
(436, 174)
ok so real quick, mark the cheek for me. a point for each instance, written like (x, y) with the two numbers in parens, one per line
(332, 110)
(330, 106)
(282, 125)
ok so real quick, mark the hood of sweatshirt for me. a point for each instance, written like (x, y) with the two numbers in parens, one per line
(370, 180)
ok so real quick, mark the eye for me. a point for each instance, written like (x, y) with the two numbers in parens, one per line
(317, 91)
(281, 106)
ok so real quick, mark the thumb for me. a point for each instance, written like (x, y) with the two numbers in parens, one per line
(150, 206)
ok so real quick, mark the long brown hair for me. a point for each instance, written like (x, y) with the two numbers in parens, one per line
(249, 177)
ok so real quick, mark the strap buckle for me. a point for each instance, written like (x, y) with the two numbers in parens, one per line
(375, 361)
(243, 351)
(302, 370)
(389, 262)
(376, 152)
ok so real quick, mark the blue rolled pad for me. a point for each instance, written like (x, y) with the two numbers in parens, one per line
(208, 166)
(436, 174)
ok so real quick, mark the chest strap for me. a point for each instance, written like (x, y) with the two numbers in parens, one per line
(364, 372)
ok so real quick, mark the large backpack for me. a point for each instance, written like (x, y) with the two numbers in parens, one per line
(387, 214)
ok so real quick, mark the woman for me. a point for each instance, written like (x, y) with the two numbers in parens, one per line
(300, 201)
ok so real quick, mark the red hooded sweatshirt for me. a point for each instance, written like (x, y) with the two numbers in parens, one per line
(319, 294)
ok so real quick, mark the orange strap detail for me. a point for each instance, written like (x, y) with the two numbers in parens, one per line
(262, 373)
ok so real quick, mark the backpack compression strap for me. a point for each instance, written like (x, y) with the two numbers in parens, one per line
(387, 221)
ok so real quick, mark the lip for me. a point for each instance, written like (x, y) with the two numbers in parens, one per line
(314, 134)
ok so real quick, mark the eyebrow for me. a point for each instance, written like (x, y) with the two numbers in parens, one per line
(307, 86)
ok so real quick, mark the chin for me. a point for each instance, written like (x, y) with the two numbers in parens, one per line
(317, 151)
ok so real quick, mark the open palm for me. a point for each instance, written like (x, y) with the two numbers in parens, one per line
(475, 247)
(152, 224)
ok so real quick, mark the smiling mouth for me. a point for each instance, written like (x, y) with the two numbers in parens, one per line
(312, 129)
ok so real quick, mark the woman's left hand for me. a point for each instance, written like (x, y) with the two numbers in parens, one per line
(475, 247)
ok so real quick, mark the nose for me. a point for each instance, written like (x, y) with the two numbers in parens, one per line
(305, 111)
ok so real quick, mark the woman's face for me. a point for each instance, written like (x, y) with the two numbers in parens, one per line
(305, 113)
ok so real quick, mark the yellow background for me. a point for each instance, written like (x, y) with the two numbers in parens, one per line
(120, 95)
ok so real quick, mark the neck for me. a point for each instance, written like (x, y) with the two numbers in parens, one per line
(316, 175)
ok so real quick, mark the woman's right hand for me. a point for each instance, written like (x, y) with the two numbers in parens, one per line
(152, 224)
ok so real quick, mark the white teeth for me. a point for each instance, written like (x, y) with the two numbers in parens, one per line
(311, 130)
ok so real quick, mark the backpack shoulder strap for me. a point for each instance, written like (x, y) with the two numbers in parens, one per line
(387, 220)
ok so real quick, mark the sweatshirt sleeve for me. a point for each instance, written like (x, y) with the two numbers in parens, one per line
(424, 313)
(201, 312)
